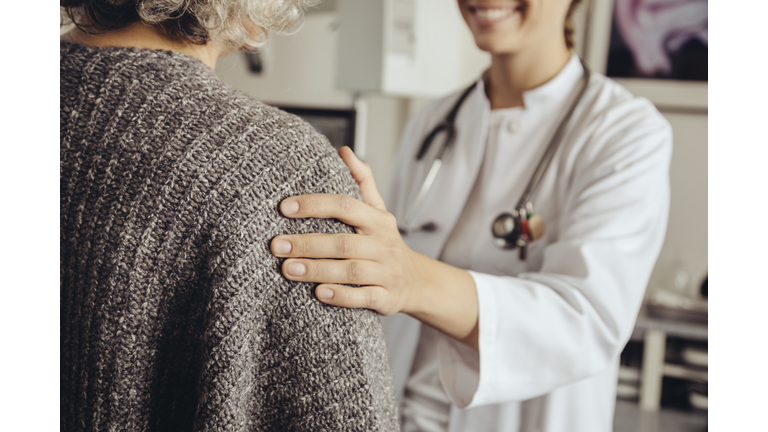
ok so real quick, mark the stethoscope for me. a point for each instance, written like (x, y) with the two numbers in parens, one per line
(517, 228)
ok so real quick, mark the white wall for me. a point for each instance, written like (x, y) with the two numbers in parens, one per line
(387, 117)
(686, 245)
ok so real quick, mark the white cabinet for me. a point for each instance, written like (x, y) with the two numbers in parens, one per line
(408, 48)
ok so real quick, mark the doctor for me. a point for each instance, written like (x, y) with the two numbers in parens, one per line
(487, 339)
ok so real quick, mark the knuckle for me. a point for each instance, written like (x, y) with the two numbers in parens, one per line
(367, 168)
(390, 220)
(370, 299)
(354, 271)
(394, 250)
(309, 204)
(345, 204)
(348, 298)
(397, 274)
(345, 245)
(302, 248)
(313, 271)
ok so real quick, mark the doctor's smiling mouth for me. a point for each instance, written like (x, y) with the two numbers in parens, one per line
(488, 14)
(516, 26)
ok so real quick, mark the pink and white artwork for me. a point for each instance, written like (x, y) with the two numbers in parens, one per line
(659, 39)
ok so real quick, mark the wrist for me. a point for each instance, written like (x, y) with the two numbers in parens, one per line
(445, 297)
(419, 293)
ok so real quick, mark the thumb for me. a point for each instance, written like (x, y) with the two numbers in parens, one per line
(362, 173)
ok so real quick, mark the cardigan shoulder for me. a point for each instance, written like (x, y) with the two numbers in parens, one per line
(174, 313)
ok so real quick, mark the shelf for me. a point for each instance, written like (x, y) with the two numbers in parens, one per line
(654, 332)
(674, 328)
(683, 372)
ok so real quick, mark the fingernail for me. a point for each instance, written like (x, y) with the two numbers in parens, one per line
(324, 293)
(290, 207)
(283, 247)
(297, 269)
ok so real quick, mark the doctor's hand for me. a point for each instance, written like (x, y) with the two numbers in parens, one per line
(392, 277)
(375, 257)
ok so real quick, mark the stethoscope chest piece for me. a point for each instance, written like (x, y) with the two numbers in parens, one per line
(506, 230)
(517, 230)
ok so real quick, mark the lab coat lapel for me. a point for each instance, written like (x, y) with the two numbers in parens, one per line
(443, 206)
(453, 184)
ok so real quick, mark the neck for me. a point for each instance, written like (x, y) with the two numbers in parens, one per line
(512, 74)
(140, 35)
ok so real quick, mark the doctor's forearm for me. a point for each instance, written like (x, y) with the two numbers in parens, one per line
(446, 300)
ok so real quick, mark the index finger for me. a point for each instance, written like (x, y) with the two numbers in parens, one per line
(332, 206)
(362, 173)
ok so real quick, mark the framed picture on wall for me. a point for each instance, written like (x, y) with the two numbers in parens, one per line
(655, 48)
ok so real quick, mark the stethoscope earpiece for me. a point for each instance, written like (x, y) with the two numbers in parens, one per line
(427, 227)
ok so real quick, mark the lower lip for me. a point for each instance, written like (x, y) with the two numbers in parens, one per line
(485, 22)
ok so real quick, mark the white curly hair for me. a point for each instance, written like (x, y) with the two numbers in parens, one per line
(226, 22)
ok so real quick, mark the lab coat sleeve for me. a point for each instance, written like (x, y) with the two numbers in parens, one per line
(571, 319)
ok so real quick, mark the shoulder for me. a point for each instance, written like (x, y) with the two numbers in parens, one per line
(611, 107)
(190, 102)
(615, 129)
(243, 121)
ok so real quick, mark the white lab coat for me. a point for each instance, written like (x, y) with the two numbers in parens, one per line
(551, 327)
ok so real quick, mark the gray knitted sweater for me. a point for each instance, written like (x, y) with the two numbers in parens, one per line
(174, 314)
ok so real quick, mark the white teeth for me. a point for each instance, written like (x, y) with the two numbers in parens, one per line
(493, 14)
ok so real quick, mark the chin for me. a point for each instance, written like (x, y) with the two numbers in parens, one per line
(497, 45)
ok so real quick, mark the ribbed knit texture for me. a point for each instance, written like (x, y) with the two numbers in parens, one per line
(174, 313)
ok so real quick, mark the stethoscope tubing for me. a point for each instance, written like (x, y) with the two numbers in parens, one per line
(424, 189)
(448, 125)
(533, 183)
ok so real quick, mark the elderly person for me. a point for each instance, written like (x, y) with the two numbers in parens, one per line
(174, 314)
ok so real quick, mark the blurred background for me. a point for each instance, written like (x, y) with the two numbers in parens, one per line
(358, 70)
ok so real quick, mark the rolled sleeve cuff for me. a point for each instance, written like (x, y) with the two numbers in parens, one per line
(465, 376)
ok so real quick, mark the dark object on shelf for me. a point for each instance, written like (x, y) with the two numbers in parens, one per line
(254, 62)
(704, 286)
(674, 393)
(337, 125)
(677, 393)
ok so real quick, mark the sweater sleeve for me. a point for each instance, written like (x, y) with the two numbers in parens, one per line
(273, 356)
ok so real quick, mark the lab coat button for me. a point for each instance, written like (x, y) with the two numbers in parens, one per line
(515, 126)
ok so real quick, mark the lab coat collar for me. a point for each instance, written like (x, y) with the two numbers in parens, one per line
(553, 91)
